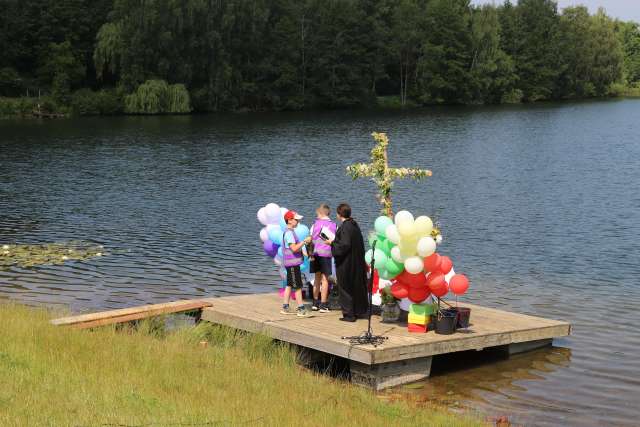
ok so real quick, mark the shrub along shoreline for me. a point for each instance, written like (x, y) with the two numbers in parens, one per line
(58, 376)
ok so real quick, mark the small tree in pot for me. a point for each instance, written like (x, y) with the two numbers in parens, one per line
(390, 307)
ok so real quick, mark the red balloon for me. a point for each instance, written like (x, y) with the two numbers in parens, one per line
(418, 295)
(437, 284)
(413, 280)
(434, 279)
(459, 284)
(445, 264)
(440, 291)
(418, 281)
(399, 290)
(432, 262)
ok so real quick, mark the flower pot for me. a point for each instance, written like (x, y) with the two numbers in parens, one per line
(464, 313)
(446, 321)
(390, 313)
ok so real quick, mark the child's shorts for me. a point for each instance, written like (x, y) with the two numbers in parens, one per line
(321, 265)
(294, 277)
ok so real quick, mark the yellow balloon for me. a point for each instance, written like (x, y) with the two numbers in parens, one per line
(406, 229)
(423, 226)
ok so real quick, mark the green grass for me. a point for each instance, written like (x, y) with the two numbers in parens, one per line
(52, 376)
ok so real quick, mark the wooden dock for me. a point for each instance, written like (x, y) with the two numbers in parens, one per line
(404, 357)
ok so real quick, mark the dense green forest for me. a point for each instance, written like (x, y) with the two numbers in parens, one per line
(177, 56)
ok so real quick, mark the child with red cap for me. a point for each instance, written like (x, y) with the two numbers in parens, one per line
(293, 259)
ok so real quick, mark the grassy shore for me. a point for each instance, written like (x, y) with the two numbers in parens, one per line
(51, 376)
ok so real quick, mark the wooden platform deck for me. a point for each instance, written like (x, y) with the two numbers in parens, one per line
(404, 356)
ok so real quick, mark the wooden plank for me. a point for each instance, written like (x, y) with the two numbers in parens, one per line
(489, 328)
(130, 314)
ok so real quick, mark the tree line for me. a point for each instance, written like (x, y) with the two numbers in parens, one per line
(154, 56)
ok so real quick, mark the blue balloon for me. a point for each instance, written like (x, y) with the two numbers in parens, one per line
(283, 225)
(302, 231)
(275, 235)
(305, 265)
(279, 252)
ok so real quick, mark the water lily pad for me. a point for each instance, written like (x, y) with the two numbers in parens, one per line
(48, 253)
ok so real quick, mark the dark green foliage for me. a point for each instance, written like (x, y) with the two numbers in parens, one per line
(206, 55)
(86, 102)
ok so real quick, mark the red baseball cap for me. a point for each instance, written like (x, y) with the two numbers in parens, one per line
(292, 215)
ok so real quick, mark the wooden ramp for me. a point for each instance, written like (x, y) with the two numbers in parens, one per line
(404, 356)
(93, 320)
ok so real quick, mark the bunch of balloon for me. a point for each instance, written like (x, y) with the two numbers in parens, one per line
(406, 256)
(271, 217)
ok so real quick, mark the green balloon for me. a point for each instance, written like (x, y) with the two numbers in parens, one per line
(393, 267)
(380, 258)
(385, 246)
(384, 274)
(381, 224)
(372, 238)
(367, 256)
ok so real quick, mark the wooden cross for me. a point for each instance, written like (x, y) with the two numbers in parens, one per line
(380, 172)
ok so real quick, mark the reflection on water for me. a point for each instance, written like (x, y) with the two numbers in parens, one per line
(538, 206)
(491, 383)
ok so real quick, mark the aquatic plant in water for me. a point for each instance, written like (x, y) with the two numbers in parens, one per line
(22, 255)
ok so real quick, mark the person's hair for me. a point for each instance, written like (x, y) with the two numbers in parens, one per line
(324, 208)
(344, 210)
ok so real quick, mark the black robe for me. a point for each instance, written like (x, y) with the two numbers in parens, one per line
(348, 251)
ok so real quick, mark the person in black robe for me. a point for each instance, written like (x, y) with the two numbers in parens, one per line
(348, 251)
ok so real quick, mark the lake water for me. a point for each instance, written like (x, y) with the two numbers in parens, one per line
(539, 206)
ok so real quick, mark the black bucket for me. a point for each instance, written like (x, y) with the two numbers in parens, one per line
(464, 314)
(446, 322)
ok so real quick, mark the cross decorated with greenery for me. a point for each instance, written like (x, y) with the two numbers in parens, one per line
(380, 172)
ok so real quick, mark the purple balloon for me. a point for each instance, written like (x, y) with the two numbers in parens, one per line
(270, 248)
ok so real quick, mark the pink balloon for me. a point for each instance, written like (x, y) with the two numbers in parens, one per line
(459, 284)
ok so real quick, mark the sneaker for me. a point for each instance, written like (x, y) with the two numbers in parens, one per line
(302, 312)
(287, 311)
(316, 306)
(324, 308)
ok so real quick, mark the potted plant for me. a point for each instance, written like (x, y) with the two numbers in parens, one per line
(390, 307)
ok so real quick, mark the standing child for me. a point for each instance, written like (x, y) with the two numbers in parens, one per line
(293, 258)
(321, 265)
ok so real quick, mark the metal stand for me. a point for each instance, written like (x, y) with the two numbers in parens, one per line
(368, 337)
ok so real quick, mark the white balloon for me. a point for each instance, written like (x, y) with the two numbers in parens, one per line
(392, 233)
(264, 235)
(426, 246)
(404, 304)
(402, 217)
(262, 216)
(449, 275)
(273, 213)
(439, 238)
(413, 265)
(423, 225)
(397, 255)
(376, 299)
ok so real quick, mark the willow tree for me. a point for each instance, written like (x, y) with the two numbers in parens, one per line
(380, 172)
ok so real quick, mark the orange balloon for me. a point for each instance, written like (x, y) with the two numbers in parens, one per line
(432, 262)
(446, 264)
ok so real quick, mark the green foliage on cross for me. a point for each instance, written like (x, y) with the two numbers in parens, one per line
(380, 172)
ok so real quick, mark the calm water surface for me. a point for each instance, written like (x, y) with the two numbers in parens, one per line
(539, 205)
